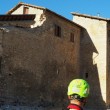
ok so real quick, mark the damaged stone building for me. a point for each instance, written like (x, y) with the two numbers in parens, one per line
(42, 51)
(39, 53)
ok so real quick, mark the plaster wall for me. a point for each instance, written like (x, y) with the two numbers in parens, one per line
(32, 10)
(94, 58)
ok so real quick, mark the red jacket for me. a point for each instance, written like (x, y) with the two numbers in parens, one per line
(74, 107)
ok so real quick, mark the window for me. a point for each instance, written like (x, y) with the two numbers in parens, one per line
(109, 36)
(72, 37)
(86, 75)
(57, 31)
(26, 10)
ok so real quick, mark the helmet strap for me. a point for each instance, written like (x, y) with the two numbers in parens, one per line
(76, 97)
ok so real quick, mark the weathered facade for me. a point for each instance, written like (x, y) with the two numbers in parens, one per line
(95, 58)
(38, 63)
(40, 56)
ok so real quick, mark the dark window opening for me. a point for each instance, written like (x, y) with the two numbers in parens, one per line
(109, 36)
(26, 10)
(0, 64)
(86, 75)
(57, 31)
(72, 37)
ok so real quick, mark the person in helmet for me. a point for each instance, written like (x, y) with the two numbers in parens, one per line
(78, 91)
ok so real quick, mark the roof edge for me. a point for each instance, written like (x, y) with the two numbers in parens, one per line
(63, 17)
(17, 17)
(89, 16)
(21, 3)
(43, 8)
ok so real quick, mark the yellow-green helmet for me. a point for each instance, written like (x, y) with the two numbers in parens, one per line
(80, 87)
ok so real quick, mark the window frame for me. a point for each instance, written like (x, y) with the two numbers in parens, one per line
(72, 37)
(57, 30)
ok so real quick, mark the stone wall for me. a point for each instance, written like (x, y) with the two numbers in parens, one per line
(37, 66)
